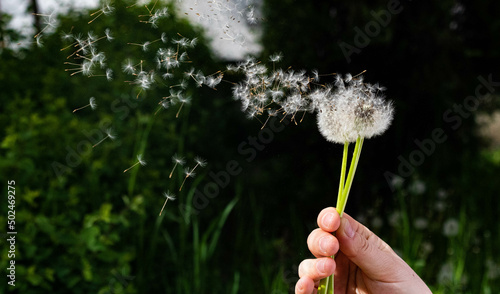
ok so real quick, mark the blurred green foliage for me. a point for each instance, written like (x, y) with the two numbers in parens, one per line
(90, 228)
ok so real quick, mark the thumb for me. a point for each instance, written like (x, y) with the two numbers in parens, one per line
(372, 255)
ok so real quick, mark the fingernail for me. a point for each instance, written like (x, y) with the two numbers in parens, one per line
(328, 220)
(348, 229)
(320, 266)
(323, 244)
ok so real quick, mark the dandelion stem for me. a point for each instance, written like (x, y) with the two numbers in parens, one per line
(179, 111)
(182, 185)
(99, 141)
(166, 200)
(170, 176)
(350, 176)
(342, 173)
(81, 108)
(131, 167)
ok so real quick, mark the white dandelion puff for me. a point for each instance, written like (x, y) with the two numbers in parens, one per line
(451, 227)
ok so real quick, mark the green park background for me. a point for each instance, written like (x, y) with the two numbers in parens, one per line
(429, 186)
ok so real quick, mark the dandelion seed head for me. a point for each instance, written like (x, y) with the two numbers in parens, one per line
(353, 111)
(421, 223)
(451, 227)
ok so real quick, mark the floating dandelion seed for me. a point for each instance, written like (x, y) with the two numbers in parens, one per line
(39, 41)
(109, 134)
(109, 37)
(182, 100)
(168, 196)
(177, 160)
(106, 9)
(109, 74)
(49, 20)
(190, 172)
(163, 105)
(92, 105)
(139, 161)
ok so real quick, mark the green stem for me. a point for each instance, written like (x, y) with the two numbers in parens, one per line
(342, 173)
(350, 176)
(326, 285)
(323, 285)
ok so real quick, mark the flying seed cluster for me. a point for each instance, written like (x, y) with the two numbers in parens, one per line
(171, 69)
(346, 110)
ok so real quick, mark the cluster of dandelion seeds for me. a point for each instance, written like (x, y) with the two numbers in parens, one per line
(170, 70)
(354, 109)
(347, 111)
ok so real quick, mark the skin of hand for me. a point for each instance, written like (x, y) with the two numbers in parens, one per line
(363, 262)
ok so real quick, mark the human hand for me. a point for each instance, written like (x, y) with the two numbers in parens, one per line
(364, 264)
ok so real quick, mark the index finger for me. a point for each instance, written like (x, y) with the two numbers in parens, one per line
(329, 220)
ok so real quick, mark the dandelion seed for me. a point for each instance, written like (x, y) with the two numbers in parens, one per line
(109, 134)
(143, 45)
(164, 38)
(66, 36)
(49, 20)
(139, 161)
(177, 160)
(92, 105)
(190, 172)
(168, 196)
(109, 37)
(164, 105)
(106, 9)
(109, 74)
(128, 67)
(39, 41)
(276, 57)
(182, 100)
